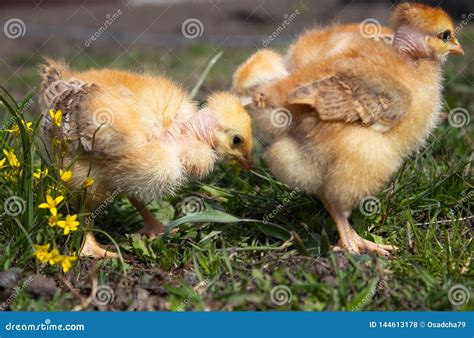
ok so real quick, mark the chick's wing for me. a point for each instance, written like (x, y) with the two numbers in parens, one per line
(349, 96)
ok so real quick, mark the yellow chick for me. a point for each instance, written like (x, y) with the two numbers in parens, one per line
(137, 135)
(357, 114)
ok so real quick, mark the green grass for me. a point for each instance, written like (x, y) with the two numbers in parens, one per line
(236, 265)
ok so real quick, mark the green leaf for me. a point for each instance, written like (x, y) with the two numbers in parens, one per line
(364, 297)
(208, 216)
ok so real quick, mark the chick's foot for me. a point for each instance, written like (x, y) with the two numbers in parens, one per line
(91, 248)
(152, 230)
(355, 244)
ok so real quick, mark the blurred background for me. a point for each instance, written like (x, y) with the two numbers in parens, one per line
(178, 38)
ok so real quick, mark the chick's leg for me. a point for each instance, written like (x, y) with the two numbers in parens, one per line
(350, 240)
(346, 233)
(152, 228)
(90, 248)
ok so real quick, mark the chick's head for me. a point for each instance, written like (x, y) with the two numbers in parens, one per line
(434, 23)
(233, 133)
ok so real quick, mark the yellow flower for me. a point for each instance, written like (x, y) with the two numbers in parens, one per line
(11, 176)
(53, 257)
(42, 253)
(51, 204)
(65, 175)
(53, 220)
(88, 182)
(40, 174)
(2, 162)
(66, 262)
(69, 224)
(56, 142)
(16, 129)
(56, 117)
(12, 160)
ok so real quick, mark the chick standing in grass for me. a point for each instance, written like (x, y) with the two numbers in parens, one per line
(139, 135)
(358, 114)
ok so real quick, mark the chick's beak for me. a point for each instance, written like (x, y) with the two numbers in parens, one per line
(456, 48)
(245, 162)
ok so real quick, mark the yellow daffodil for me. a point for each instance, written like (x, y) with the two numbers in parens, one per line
(88, 182)
(65, 175)
(2, 163)
(51, 204)
(53, 220)
(12, 160)
(42, 253)
(69, 224)
(40, 174)
(56, 117)
(66, 262)
(16, 129)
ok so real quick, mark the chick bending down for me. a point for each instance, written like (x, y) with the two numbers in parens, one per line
(357, 114)
(138, 135)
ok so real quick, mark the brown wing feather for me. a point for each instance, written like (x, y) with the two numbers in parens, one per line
(350, 98)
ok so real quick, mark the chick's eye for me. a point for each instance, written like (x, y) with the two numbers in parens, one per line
(445, 36)
(236, 140)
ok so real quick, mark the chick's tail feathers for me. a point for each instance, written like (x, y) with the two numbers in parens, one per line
(53, 73)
